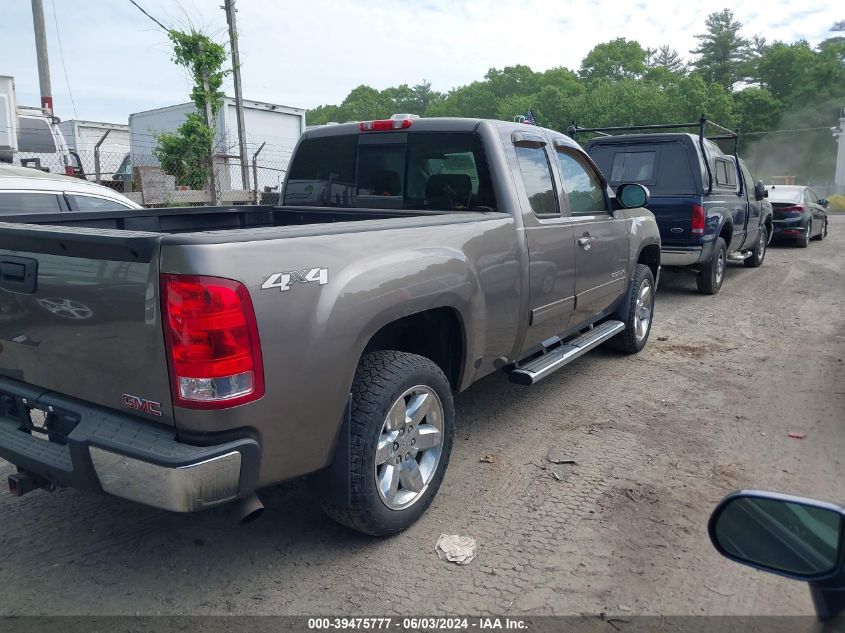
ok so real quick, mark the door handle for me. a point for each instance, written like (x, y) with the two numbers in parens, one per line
(19, 274)
(586, 241)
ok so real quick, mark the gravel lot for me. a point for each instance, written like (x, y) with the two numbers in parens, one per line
(658, 438)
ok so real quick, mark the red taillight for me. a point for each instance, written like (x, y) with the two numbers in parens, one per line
(795, 208)
(697, 220)
(384, 124)
(69, 170)
(212, 342)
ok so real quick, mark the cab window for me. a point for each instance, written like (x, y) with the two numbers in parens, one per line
(725, 173)
(434, 171)
(583, 187)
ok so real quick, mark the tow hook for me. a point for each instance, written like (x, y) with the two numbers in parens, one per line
(24, 481)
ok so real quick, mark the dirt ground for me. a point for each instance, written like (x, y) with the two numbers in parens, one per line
(658, 438)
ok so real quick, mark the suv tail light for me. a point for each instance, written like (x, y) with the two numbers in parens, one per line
(697, 220)
(212, 342)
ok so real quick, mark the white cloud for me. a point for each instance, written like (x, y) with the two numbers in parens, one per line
(308, 53)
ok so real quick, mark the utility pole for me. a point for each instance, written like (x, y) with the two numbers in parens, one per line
(43, 60)
(229, 7)
(839, 181)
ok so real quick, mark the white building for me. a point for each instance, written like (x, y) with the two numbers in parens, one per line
(276, 125)
(83, 136)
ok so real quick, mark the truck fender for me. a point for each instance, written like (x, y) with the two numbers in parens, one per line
(623, 308)
(333, 483)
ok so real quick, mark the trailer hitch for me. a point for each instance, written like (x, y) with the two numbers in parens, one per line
(24, 481)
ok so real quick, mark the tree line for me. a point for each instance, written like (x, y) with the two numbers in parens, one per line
(738, 82)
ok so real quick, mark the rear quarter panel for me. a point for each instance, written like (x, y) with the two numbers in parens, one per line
(312, 335)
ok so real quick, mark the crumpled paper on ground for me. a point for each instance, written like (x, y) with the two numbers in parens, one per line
(455, 548)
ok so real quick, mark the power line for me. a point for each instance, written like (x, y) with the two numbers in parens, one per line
(801, 129)
(166, 30)
(62, 57)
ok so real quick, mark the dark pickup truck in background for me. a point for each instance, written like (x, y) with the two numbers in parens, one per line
(237, 348)
(706, 202)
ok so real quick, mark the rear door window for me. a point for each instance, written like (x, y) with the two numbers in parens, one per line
(537, 177)
(35, 136)
(92, 203)
(14, 203)
(633, 167)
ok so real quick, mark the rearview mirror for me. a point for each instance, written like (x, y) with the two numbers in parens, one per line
(759, 190)
(792, 536)
(632, 195)
(824, 203)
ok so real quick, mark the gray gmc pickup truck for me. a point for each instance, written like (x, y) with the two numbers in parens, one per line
(184, 358)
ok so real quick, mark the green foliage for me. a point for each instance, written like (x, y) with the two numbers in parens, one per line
(186, 153)
(667, 58)
(783, 68)
(752, 85)
(721, 50)
(757, 109)
(203, 58)
(614, 60)
(837, 202)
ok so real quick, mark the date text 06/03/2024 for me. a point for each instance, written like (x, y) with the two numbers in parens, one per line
(414, 624)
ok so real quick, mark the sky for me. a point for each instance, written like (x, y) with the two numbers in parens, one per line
(303, 54)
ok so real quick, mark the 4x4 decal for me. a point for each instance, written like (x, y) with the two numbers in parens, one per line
(283, 281)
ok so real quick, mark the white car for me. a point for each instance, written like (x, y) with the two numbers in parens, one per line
(24, 190)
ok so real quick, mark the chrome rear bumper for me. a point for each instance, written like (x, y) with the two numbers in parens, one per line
(107, 451)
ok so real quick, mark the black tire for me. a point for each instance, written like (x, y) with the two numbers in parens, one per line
(708, 280)
(380, 380)
(759, 252)
(804, 242)
(627, 340)
(823, 233)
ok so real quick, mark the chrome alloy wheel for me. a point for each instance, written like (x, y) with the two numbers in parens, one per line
(409, 447)
(720, 268)
(761, 247)
(643, 310)
(66, 308)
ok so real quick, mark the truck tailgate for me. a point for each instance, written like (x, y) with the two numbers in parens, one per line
(674, 218)
(88, 325)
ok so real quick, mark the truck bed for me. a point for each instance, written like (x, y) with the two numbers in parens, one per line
(193, 219)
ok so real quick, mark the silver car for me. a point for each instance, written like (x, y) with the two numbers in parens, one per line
(24, 190)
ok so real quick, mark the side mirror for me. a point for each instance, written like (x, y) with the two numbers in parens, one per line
(792, 536)
(759, 190)
(824, 203)
(632, 195)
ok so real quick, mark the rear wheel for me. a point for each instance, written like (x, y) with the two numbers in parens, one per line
(402, 430)
(804, 242)
(638, 322)
(709, 280)
(759, 253)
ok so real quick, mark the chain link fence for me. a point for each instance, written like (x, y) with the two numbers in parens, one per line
(139, 176)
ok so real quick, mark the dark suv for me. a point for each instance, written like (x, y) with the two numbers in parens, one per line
(707, 205)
